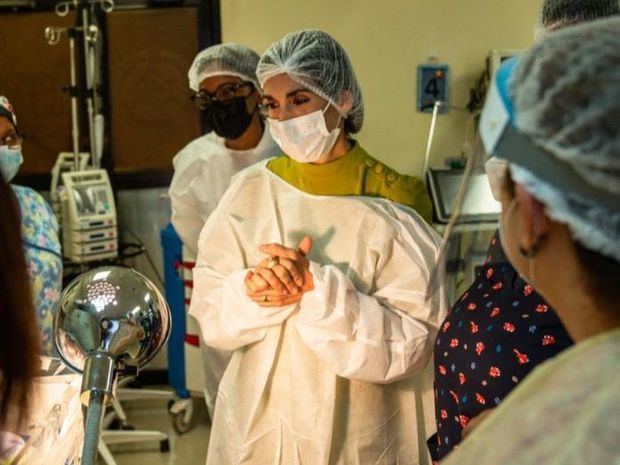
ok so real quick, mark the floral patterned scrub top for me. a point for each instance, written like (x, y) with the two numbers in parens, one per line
(497, 332)
(43, 259)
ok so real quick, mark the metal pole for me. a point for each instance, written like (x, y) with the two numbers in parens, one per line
(89, 82)
(75, 130)
(97, 386)
(92, 428)
(431, 136)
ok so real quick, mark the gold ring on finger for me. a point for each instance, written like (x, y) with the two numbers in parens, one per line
(272, 262)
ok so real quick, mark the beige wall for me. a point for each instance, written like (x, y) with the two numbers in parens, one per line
(386, 40)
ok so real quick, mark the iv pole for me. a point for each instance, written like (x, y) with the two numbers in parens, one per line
(84, 24)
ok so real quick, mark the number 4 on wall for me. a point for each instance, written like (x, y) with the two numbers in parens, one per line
(433, 81)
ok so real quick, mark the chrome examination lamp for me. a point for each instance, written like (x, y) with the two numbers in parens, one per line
(110, 322)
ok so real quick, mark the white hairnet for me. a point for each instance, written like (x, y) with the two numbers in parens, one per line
(316, 61)
(558, 14)
(567, 99)
(6, 110)
(224, 59)
(561, 13)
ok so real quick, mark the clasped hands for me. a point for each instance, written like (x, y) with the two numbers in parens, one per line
(283, 277)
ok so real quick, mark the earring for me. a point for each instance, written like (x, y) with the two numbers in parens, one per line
(529, 254)
(530, 271)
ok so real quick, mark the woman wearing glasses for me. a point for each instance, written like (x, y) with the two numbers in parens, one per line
(226, 91)
(223, 78)
(315, 276)
(551, 125)
(39, 230)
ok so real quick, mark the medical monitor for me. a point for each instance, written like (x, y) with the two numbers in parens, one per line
(479, 205)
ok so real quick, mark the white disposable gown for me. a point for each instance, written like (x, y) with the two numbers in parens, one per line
(202, 173)
(342, 377)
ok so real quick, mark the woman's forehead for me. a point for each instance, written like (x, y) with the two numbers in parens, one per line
(283, 85)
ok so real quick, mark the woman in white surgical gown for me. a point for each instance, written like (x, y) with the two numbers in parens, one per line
(224, 79)
(334, 370)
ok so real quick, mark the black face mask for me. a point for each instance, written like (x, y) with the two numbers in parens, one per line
(230, 119)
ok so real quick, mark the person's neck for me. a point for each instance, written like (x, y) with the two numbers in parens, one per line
(250, 138)
(569, 295)
(339, 150)
(581, 315)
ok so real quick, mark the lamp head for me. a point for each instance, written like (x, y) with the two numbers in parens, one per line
(114, 311)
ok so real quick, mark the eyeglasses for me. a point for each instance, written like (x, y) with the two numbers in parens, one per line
(263, 108)
(13, 140)
(203, 99)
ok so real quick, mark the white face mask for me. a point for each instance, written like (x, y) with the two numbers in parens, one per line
(305, 139)
(10, 161)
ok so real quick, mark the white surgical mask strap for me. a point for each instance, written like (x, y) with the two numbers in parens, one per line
(339, 115)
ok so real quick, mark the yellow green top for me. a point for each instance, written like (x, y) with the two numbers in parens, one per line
(356, 173)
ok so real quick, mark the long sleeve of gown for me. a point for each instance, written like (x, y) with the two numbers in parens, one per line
(381, 336)
(192, 200)
(228, 318)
